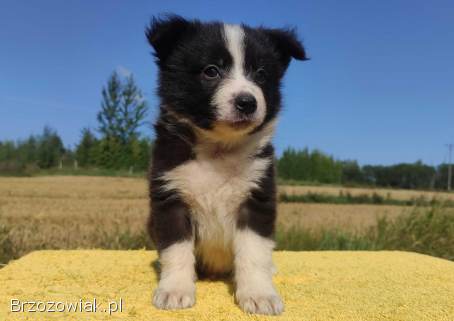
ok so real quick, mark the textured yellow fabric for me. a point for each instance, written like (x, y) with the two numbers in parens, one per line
(314, 286)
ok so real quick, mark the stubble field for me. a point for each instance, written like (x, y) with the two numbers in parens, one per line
(111, 212)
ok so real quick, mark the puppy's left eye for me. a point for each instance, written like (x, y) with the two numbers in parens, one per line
(211, 72)
(260, 75)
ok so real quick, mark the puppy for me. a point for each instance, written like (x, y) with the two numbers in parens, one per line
(212, 187)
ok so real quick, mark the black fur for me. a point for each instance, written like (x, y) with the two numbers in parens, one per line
(286, 43)
(170, 220)
(181, 58)
(183, 49)
(258, 211)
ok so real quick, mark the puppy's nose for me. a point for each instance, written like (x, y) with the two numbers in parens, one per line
(245, 103)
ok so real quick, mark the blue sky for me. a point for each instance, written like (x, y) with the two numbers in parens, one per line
(379, 87)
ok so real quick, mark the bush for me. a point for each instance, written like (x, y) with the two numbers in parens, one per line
(11, 168)
(374, 198)
(429, 231)
(125, 240)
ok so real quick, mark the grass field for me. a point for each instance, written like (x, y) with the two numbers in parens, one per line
(110, 212)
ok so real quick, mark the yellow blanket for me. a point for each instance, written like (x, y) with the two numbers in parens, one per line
(313, 285)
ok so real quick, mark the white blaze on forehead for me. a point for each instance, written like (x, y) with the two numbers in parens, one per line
(236, 81)
(234, 36)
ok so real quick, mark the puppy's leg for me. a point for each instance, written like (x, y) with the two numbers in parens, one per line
(254, 269)
(176, 289)
(253, 247)
(173, 233)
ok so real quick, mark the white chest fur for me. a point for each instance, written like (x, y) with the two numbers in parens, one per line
(214, 185)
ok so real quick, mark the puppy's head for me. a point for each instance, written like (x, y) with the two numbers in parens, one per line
(225, 79)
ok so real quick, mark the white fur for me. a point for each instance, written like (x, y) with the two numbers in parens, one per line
(237, 82)
(176, 289)
(254, 269)
(214, 185)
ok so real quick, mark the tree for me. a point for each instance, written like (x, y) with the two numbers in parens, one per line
(7, 151)
(50, 148)
(123, 109)
(441, 177)
(141, 151)
(45, 151)
(109, 153)
(85, 150)
(352, 173)
(305, 165)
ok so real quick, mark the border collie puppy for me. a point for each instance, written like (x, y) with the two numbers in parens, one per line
(212, 188)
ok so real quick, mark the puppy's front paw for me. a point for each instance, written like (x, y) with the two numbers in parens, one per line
(260, 303)
(173, 299)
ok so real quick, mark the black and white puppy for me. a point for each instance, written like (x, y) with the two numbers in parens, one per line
(212, 189)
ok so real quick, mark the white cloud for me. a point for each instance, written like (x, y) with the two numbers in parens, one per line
(123, 71)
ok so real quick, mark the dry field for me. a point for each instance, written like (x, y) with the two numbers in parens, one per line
(82, 211)
(391, 193)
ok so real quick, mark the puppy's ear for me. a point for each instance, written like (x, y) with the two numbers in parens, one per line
(287, 44)
(163, 34)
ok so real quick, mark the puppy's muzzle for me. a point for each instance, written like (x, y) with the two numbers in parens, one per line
(245, 104)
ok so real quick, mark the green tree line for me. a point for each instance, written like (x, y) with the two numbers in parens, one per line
(309, 166)
(316, 166)
(117, 144)
(39, 151)
(47, 151)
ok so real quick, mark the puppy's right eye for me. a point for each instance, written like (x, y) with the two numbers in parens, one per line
(211, 72)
